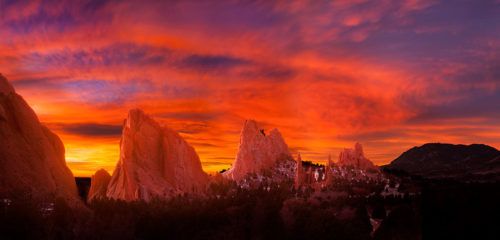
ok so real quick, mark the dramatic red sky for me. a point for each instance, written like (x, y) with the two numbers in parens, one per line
(391, 74)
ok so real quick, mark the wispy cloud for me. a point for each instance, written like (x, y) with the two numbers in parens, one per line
(391, 74)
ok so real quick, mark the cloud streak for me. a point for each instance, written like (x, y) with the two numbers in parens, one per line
(88, 129)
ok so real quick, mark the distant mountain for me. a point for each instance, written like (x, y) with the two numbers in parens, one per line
(437, 160)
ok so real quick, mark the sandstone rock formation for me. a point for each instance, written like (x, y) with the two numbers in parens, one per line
(32, 158)
(356, 158)
(329, 170)
(257, 151)
(154, 161)
(99, 185)
(300, 176)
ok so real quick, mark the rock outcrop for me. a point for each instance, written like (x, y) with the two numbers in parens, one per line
(98, 185)
(356, 158)
(154, 161)
(257, 151)
(32, 158)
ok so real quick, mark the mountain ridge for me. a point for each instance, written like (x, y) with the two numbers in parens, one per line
(444, 160)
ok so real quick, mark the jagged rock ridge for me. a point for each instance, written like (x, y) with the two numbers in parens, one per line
(32, 158)
(355, 157)
(257, 151)
(154, 161)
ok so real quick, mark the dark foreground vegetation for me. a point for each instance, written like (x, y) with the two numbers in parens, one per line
(457, 210)
(83, 186)
(444, 210)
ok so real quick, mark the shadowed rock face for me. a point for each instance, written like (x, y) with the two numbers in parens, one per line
(448, 160)
(31, 156)
(99, 185)
(257, 151)
(154, 161)
(356, 158)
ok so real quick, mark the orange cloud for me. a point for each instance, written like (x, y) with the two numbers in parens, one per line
(325, 74)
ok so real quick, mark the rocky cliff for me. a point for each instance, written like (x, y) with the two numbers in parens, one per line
(32, 158)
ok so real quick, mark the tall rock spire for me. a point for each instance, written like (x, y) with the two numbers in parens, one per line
(329, 171)
(300, 174)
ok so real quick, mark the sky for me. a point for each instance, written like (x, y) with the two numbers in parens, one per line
(390, 74)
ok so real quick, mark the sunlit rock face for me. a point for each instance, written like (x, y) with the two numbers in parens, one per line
(356, 158)
(257, 151)
(99, 185)
(31, 156)
(154, 161)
